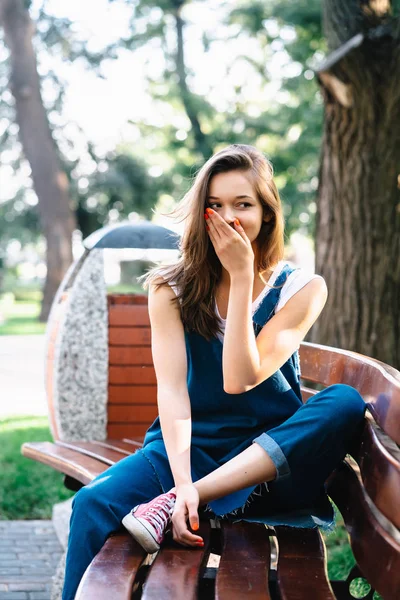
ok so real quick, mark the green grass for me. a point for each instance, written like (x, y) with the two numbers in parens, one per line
(340, 556)
(28, 489)
(20, 317)
(341, 559)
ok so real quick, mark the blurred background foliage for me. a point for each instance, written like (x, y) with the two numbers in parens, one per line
(284, 119)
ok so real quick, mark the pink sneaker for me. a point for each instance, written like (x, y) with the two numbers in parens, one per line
(148, 522)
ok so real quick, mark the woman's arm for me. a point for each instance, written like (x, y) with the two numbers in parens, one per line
(240, 357)
(170, 363)
(250, 362)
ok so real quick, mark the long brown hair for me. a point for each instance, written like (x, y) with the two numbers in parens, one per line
(198, 270)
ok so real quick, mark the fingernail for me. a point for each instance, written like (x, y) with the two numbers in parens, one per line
(206, 215)
(200, 543)
(209, 211)
(237, 222)
(207, 227)
(195, 527)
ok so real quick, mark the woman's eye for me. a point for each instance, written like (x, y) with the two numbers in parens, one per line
(214, 204)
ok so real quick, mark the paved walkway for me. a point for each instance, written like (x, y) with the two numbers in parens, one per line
(29, 554)
(29, 550)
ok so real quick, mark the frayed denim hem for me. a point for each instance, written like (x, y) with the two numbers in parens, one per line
(308, 518)
(237, 512)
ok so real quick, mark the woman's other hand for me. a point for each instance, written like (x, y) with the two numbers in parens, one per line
(186, 509)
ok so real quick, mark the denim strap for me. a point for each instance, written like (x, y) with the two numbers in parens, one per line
(267, 306)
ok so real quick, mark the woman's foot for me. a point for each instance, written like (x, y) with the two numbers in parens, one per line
(147, 523)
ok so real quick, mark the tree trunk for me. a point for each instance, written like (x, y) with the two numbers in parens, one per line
(202, 145)
(50, 182)
(358, 217)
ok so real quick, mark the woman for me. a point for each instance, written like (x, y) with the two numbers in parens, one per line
(233, 437)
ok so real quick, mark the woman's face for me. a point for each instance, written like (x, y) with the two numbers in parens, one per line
(232, 196)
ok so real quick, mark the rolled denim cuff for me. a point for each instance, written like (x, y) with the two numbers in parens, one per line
(275, 453)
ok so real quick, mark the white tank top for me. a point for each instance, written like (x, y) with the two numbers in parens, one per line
(294, 283)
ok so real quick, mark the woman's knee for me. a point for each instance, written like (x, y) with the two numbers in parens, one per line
(348, 404)
(82, 501)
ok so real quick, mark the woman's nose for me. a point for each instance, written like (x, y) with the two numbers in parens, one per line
(228, 216)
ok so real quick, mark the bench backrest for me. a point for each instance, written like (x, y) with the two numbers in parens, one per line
(132, 380)
(132, 387)
(367, 493)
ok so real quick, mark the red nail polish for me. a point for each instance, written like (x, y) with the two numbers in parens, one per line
(237, 222)
(209, 211)
(206, 216)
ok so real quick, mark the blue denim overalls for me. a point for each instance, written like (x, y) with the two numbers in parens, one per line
(305, 442)
(223, 425)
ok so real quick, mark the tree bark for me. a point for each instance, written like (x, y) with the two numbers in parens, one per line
(49, 181)
(358, 216)
(202, 145)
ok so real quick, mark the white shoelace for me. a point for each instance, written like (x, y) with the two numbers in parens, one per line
(161, 517)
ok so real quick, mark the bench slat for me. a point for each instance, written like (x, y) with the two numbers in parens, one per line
(176, 570)
(123, 413)
(145, 374)
(129, 336)
(307, 393)
(380, 473)
(122, 315)
(134, 299)
(70, 462)
(301, 571)
(112, 572)
(138, 442)
(82, 461)
(122, 431)
(132, 394)
(378, 383)
(130, 355)
(370, 535)
(109, 456)
(125, 447)
(244, 566)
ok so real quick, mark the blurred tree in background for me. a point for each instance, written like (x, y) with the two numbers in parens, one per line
(291, 80)
(358, 224)
(49, 180)
(277, 126)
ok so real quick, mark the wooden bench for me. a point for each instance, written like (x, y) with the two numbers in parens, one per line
(242, 560)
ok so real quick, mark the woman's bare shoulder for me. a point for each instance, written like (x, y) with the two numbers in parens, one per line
(161, 298)
(168, 338)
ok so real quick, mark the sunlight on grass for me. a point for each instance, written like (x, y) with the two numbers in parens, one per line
(28, 489)
(20, 318)
(340, 555)
(341, 558)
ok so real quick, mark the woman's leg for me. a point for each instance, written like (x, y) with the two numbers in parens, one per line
(306, 447)
(98, 509)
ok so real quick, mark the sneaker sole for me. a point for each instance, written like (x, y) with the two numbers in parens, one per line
(139, 532)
